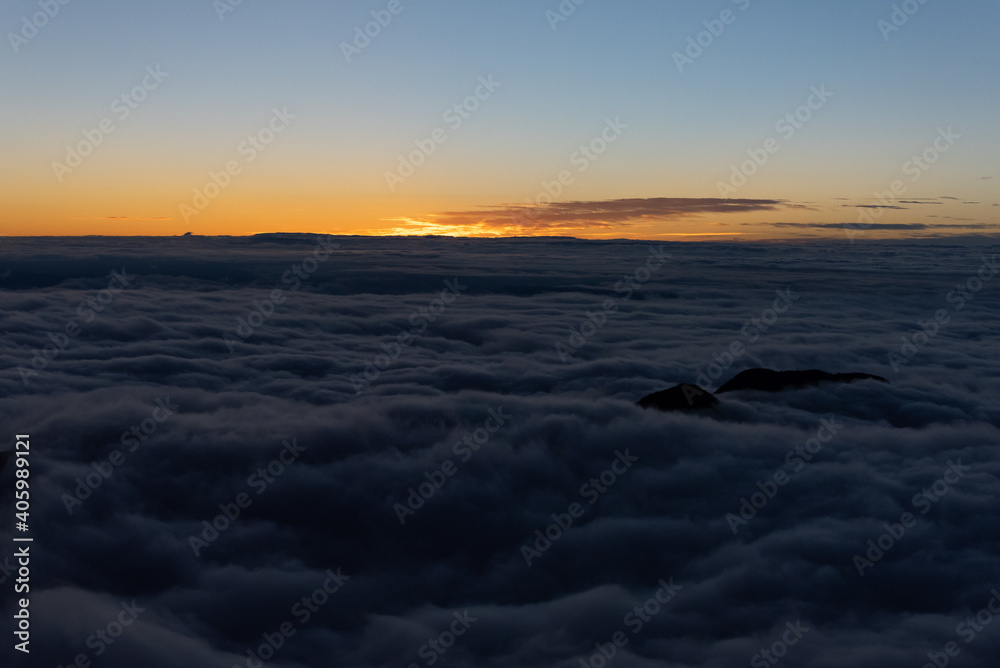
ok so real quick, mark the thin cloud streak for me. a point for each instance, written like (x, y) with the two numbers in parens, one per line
(576, 216)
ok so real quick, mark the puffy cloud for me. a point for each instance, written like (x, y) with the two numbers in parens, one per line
(429, 421)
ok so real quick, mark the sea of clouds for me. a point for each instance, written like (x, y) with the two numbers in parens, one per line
(359, 452)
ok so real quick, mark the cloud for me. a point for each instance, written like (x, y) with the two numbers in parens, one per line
(888, 226)
(871, 226)
(560, 217)
(495, 349)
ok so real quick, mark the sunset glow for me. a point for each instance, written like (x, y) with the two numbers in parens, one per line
(305, 126)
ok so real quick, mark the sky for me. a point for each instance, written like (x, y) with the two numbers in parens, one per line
(218, 118)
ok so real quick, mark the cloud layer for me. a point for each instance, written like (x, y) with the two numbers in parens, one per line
(476, 389)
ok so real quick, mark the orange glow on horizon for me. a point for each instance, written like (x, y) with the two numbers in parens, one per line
(148, 211)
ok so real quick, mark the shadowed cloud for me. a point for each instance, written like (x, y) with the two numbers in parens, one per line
(578, 215)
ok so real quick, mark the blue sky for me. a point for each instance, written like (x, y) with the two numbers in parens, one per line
(606, 60)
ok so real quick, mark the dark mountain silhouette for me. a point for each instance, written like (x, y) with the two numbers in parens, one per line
(767, 380)
(679, 397)
(691, 397)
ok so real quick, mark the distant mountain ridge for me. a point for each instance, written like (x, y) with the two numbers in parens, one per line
(686, 396)
(768, 380)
